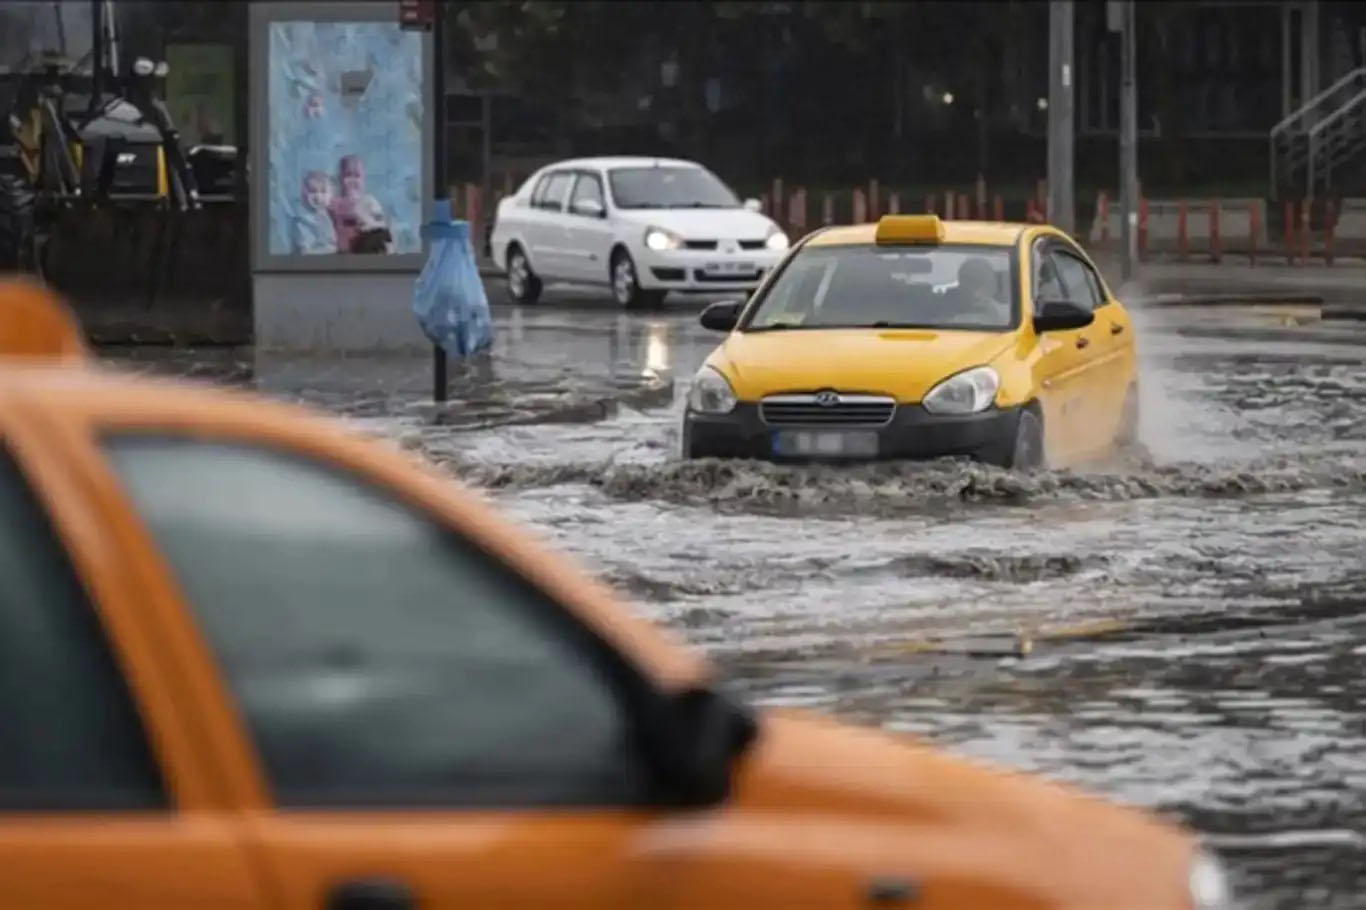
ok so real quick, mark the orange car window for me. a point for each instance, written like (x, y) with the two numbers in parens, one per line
(378, 659)
(72, 739)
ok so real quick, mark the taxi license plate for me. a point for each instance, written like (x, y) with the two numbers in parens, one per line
(729, 268)
(825, 443)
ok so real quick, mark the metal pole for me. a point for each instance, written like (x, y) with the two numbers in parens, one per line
(1061, 210)
(97, 55)
(1128, 141)
(440, 386)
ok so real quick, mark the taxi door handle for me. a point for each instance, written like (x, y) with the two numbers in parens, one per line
(371, 894)
(1083, 341)
(1116, 328)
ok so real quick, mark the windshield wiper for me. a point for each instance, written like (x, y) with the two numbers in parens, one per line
(698, 205)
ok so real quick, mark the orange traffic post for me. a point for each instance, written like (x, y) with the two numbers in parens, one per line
(1182, 240)
(1329, 228)
(796, 216)
(764, 204)
(860, 206)
(474, 209)
(964, 206)
(981, 211)
(929, 204)
(999, 208)
(1103, 216)
(828, 209)
(1254, 225)
(894, 203)
(874, 199)
(1306, 228)
(948, 205)
(1142, 227)
(1215, 244)
(1289, 232)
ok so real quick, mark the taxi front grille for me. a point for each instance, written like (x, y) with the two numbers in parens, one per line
(827, 409)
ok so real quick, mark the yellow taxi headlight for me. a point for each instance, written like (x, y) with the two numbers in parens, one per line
(964, 393)
(909, 229)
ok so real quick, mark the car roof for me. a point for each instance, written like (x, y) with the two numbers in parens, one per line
(986, 233)
(609, 161)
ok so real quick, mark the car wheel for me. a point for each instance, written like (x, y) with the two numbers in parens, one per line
(1127, 436)
(1027, 452)
(16, 222)
(523, 285)
(626, 289)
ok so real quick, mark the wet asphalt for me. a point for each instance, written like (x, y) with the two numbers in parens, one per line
(1184, 630)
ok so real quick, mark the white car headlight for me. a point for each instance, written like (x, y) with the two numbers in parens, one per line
(710, 393)
(1209, 885)
(143, 67)
(966, 393)
(777, 240)
(659, 239)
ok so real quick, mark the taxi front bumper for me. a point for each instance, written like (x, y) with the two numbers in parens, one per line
(912, 433)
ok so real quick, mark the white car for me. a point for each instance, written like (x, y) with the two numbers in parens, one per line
(642, 226)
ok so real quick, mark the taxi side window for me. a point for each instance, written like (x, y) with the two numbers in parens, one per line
(72, 737)
(378, 658)
(1075, 275)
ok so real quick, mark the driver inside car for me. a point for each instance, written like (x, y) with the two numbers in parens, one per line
(978, 291)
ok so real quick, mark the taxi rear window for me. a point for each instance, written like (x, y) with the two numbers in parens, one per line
(950, 286)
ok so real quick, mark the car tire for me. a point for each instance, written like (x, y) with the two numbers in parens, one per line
(1027, 449)
(1126, 438)
(524, 287)
(626, 289)
(16, 222)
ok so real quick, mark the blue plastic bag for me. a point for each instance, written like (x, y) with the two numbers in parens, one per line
(449, 299)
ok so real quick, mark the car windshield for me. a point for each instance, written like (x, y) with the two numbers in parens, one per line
(669, 188)
(943, 287)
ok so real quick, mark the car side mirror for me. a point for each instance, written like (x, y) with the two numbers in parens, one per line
(1061, 315)
(706, 733)
(722, 316)
(589, 208)
(753, 205)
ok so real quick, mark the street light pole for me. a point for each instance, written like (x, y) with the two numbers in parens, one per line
(440, 383)
(1128, 139)
(1061, 72)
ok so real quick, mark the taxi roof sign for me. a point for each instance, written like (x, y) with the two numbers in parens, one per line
(35, 322)
(909, 229)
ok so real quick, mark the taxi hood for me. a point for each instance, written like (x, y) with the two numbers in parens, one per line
(903, 363)
(948, 822)
(34, 322)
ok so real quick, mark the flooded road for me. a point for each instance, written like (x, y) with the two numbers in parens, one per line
(1184, 631)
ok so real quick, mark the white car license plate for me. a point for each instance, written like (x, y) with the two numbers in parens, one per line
(729, 268)
(825, 443)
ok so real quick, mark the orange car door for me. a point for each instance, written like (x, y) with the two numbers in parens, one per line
(97, 809)
(432, 730)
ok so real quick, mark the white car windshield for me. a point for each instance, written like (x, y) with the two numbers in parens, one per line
(669, 188)
(950, 286)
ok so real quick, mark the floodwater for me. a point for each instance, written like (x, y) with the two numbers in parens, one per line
(1184, 631)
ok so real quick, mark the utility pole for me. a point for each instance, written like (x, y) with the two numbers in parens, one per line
(1122, 19)
(1061, 76)
(440, 383)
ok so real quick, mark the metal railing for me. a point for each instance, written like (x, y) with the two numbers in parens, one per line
(1294, 142)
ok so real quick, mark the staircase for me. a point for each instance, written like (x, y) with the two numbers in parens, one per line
(1325, 133)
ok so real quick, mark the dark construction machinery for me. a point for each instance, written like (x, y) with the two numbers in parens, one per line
(85, 136)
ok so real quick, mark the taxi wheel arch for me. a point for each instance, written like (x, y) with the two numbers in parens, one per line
(624, 280)
(524, 286)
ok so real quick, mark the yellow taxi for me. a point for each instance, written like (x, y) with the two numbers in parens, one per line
(248, 660)
(919, 338)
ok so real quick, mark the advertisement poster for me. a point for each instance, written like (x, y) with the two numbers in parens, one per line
(345, 126)
(199, 92)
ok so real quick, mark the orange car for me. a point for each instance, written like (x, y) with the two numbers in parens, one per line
(248, 660)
